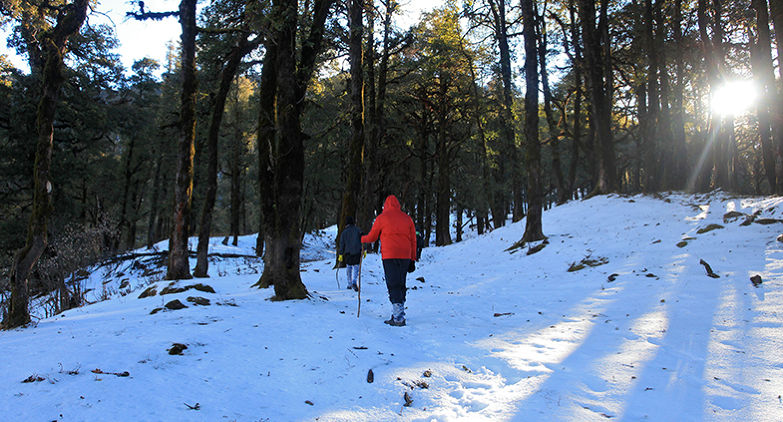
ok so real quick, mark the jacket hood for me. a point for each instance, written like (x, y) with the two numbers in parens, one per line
(391, 203)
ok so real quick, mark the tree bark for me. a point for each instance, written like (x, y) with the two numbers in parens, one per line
(179, 267)
(356, 144)
(242, 48)
(364, 212)
(124, 224)
(485, 194)
(267, 133)
(498, 8)
(577, 131)
(665, 134)
(650, 139)
(679, 173)
(372, 197)
(533, 226)
(236, 170)
(443, 192)
(776, 12)
(282, 178)
(761, 60)
(53, 48)
(282, 201)
(554, 138)
(716, 146)
(152, 233)
(599, 82)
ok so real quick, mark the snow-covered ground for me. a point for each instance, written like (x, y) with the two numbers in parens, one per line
(492, 335)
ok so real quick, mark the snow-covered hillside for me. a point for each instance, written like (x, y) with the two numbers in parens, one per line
(636, 330)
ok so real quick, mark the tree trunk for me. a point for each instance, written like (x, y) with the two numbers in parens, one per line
(236, 169)
(533, 226)
(600, 86)
(443, 192)
(365, 208)
(650, 139)
(282, 177)
(679, 173)
(356, 145)
(179, 267)
(428, 182)
(422, 128)
(242, 47)
(458, 222)
(133, 213)
(716, 146)
(776, 9)
(266, 135)
(124, 225)
(554, 138)
(282, 199)
(54, 47)
(665, 134)
(421, 205)
(485, 194)
(761, 60)
(577, 134)
(498, 8)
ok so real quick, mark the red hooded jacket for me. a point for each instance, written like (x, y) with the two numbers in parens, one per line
(396, 230)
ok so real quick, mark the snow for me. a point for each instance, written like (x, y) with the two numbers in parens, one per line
(504, 335)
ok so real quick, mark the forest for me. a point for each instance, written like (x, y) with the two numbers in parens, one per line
(284, 117)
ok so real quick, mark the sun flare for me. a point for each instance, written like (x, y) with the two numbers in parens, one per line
(734, 98)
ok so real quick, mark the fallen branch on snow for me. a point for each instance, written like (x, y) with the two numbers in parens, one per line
(708, 268)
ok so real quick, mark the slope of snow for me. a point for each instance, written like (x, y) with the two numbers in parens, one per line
(492, 334)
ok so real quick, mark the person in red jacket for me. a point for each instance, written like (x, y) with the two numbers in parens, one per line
(398, 251)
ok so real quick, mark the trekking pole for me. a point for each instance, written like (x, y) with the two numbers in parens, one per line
(359, 285)
(336, 276)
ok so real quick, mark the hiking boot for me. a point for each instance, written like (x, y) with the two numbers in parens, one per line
(395, 323)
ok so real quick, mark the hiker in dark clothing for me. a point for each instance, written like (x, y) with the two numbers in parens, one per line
(349, 251)
(398, 252)
(419, 245)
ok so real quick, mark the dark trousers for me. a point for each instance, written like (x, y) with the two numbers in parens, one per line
(396, 270)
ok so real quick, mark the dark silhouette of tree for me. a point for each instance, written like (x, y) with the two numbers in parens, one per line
(48, 50)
